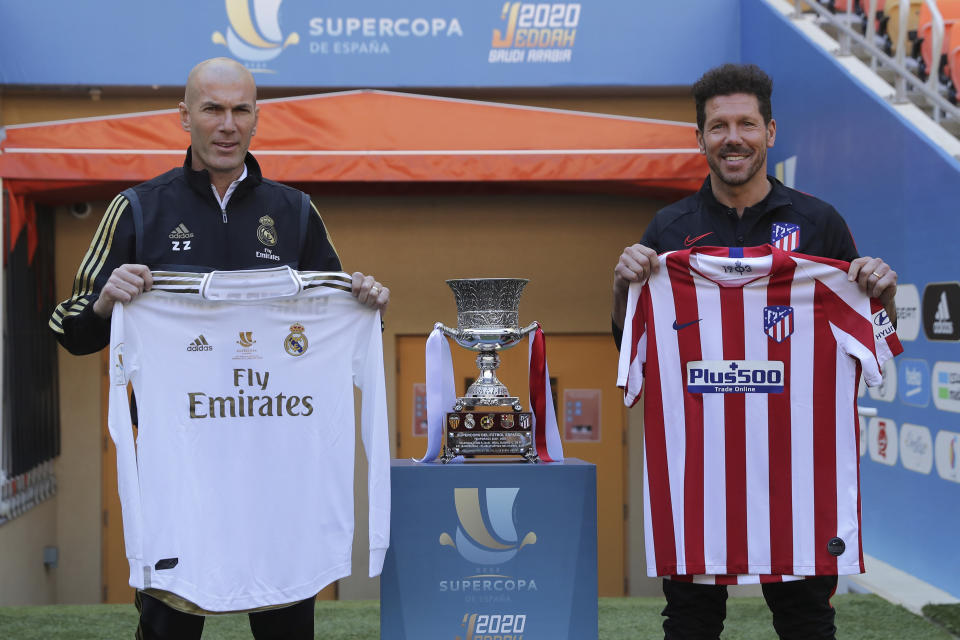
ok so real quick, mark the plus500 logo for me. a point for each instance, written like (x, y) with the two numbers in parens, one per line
(482, 626)
(735, 376)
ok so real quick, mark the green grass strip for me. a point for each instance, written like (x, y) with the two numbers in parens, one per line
(947, 615)
(859, 617)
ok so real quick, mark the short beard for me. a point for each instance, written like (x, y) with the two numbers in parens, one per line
(752, 170)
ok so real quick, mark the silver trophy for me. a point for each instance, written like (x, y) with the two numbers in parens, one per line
(488, 322)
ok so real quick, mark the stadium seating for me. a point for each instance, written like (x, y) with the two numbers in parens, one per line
(953, 61)
(879, 23)
(950, 10)
(891, 20)
(840, 6)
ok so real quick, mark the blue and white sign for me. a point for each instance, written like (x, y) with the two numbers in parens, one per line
(491, 550)
(735, 376)
(946, 386)
(914, 382)
(908, 312)
(369, 43)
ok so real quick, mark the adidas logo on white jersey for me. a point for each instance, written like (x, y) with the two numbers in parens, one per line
(181, 232)
(200, 344)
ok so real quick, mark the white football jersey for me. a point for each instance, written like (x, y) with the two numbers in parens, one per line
(238, 492)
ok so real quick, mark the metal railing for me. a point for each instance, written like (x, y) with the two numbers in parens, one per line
(905, 78)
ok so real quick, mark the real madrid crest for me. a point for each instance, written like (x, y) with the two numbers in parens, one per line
(296, 342)
(266, 233)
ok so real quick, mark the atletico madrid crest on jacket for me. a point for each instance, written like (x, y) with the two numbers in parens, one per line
(778, 322)
(785, 236)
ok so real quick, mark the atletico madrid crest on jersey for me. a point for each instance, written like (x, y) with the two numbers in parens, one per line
(778, 322)
(785, 236)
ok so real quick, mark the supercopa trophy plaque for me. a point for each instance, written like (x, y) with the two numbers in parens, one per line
(488, 322)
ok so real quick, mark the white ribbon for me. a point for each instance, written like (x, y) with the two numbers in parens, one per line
(441, 394)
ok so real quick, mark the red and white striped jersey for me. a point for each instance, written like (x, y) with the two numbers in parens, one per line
(751, 360)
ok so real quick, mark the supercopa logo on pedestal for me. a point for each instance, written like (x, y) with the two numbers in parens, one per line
(491, 550)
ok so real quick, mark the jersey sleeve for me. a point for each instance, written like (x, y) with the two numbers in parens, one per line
(861, 326)
(319, 253)
(368, 377)
(886, 343)
(122, 366)
(74, 323)
(633, 348)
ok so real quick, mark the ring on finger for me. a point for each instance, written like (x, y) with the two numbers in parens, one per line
(876, 275)
(374, 290)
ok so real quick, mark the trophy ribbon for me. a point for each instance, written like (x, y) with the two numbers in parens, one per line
(546, 432)
(441, 392)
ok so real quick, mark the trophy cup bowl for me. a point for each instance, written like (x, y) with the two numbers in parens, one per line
(488, 322)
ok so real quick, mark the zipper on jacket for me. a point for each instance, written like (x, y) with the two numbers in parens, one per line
(224, 212)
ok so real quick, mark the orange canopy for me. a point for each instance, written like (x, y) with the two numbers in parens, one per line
(364, 136)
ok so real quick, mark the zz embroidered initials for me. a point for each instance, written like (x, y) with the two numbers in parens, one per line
(177, 245)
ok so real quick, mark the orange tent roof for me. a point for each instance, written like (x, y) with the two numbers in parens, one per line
(373, 136)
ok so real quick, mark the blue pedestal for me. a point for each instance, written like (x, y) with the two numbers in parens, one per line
(488, 550)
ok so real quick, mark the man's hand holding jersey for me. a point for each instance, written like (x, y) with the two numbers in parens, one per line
(125, 283)
(877, 280)
(130, 280)
(636, 264)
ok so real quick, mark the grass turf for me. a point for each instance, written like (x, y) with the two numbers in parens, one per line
(946, 615)
(859, 617)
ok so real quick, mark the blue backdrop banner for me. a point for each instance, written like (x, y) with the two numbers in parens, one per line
(898, 193)
(368, 43)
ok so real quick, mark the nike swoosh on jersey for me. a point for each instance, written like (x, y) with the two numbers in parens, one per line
(689, 242)
(685, 324)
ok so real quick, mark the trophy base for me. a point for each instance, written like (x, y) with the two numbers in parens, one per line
(496, 433)
(469, 402)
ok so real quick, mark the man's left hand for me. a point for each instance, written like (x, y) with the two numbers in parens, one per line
(370, 292)
(877, 280)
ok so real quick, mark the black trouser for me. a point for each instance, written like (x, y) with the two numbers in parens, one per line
(160, 622)
(801, 609)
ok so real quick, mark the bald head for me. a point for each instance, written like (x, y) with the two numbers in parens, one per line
(219, 111)
(218, 71)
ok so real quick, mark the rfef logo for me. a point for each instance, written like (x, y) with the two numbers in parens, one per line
(941, 311)
(254, 33)
(487, 532)
(914, 382)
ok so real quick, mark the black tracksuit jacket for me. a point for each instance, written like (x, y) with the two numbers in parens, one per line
(175, 223)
